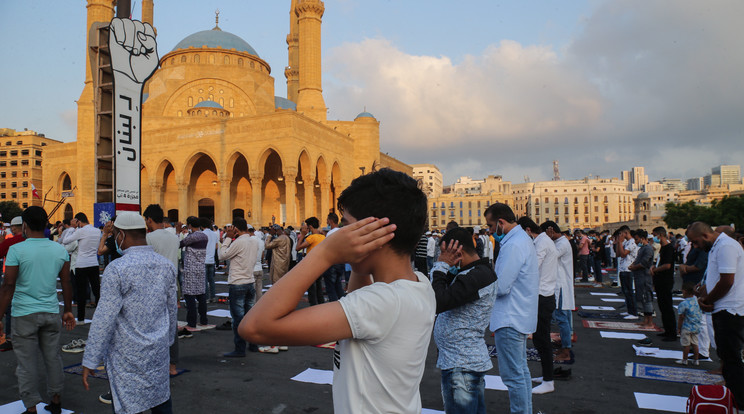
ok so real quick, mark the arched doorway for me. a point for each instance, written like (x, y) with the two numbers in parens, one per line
(203, 185)
(68, 212)
(205, 208)
(273, 207)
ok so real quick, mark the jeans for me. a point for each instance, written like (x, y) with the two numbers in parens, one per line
(511, 345)
(564, 320)
(242, 299)
(191, 309)
(333, 278)
(541, 337)
(209, 281)
(315, 292)
(598, 268)
(31, 334)
(463, 391)
(663, 287)
(644, 292)
(584, 264)
(84, 276)
(626, 285)
(729, 333)
(429, 263)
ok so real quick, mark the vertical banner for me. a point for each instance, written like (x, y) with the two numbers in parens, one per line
(134, 58)
(102, 213)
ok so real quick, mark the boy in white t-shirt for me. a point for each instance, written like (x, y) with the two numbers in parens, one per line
(383, 325)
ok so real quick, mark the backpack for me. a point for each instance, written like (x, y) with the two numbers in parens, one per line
(710, 399)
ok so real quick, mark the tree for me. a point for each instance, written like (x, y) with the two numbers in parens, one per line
(9, 209)
(726, 211)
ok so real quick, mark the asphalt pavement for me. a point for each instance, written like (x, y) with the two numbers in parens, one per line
(260, 383)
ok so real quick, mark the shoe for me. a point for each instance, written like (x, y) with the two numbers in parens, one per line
(234, 354)
(646, 341)
(633, 317)
(205, 326)
(79, 322)
(561, 374)
(6, 346)
(591, 279)
(696, 362)
(227, 326)
(184, 333)
(598, 285)
(105, 398)
(544, 388)
(537, 380)
(75, 346)
(252, 348)
(268, 350)
(54, 408)
(681, 362)
(284, 348)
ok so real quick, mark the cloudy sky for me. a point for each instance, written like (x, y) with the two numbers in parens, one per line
(476, 87)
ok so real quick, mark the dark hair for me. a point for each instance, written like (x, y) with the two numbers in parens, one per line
(462, 236)
(205, 223)
(659, 230)
(643, 234)
(192, 221)
(240, 223)
(35, 218)
(333, 217)
(528, 223)
(66, 222)
(81, 217)
(616, 233)
(154, 213)
(500, 211)
(391, 194)
(452, 225)
(624, 227)
(688, 287)
(313, 222)
(550, 225)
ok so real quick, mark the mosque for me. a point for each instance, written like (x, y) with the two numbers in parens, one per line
(217, 141)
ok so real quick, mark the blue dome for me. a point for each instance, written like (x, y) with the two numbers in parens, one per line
(365, 114)
(208, 104)
(284, 103)
(216, 38)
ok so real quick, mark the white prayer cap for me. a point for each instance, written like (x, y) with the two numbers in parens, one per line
(129, 220)
(17, 221)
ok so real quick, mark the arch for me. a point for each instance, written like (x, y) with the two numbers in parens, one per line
(273, 194)
(192, 159)
(205, 208)
(179, 96)
(200, 173)
(65, 183)
(241, 189)
(145, 193)
(160, 172)
(265, 153)
(68, 212)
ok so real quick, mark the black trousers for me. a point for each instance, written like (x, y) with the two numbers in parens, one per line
(541, 337)
(663, 287)
(729, 333)
(315, 292)
(83, 277)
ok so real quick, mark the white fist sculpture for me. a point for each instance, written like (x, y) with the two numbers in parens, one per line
(134, 52)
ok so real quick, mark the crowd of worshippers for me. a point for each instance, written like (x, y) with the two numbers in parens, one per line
(391, 286)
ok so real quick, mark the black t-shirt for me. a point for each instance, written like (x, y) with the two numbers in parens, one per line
(111, 246)
(666, 255)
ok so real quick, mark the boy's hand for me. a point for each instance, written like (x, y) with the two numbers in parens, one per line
(451, 254)
(353, 242)
(304, 229)
(68, 321)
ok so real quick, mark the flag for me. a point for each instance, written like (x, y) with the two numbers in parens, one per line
(34, 192)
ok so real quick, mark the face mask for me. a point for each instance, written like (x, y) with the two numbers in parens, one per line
(454, 269)
(640, 244)
(498, 237)
(656, 240)
(118, 249)
(686, 238)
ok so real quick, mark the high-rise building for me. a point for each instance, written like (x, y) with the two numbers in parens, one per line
(431, 178)
(695, 184)
(635, 179)
(712, 180)
(730, 174)
(20, 166)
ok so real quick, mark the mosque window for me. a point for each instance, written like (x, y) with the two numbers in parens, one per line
(201, 99)
(183, 58)
(196, 58)
(222, 102)
(211, 97)
(253, 64)
(38, 153)
(38, 163)
(211, 58)
(240, 62)
(198, 112)
(232, 103)
(227, 60)
(211, 88)
(173, 60)
(180, 114)
(191, 101)
(214, 113)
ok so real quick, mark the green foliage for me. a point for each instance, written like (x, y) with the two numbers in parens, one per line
(728, 210)
(9, 209)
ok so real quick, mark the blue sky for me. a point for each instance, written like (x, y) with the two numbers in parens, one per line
(476, 87)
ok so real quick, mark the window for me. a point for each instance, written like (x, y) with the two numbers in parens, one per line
(13, 195)
(25, 205)
(24, 162)
(2, 195)
(2, 174)
(14, 174)
(38, 153)
(460, 204)
(14, 163)
(596, 199)
(13, 184)
(470, 213)
(24, 194)
(2, 185)
(14, 153)
(19, 142)
(3, 153)
(461, 213)
(24, 152)
(38, 163)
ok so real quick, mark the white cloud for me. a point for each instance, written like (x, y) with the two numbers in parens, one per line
(642, 84)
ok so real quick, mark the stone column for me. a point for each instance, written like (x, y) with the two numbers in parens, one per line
(309, 196)
(183, 201)
(223, 215)
(290, 190)
(256, 192)
(157, 194)
(325, 190)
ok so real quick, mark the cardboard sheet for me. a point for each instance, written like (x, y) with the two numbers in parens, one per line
(660, 353)
(603, 294)
(17, 407)
(599, 308)
(622, 335)
(219, 313)
(618, 300)
(315, 376)
(669, 403)
(494, 382)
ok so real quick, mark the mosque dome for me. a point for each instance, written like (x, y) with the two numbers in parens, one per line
(215, 38)
(365, 114)
(208, 108)
(208, 104)
(643, 195)
(284, 103)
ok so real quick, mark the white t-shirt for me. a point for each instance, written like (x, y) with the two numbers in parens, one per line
(727, 256)
(259, 257)
(212, 238)
(623, 262)
(547, 262)
(165, 244)
(379, 370)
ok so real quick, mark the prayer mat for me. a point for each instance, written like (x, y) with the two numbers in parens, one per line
(532, 355)
(622, 335)
(598, 308)
(329, 345)
(602, 294)
(179, 372)
(17, 407)
(621, 326)
(77, 369)
(616, 300)
(669, 403)
(671, 374)
(600, 315)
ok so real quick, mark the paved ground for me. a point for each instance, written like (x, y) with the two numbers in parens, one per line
(260, 383)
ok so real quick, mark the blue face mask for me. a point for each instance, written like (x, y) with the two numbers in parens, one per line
(454, 269)
(498, 237)
(656, 240)
(640, 244)
(118, 249)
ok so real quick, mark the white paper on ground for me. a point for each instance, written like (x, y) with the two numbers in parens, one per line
(494, 382)
(221, 282)
(599, 308)
(219, 273)
(219, 313)
(225, 294)
(602, 294)
(430, 411)
(622, 335)
(315, 376)
(86, 321)
(659, 353)
(17, 407)
(670, 403)
(613, 300)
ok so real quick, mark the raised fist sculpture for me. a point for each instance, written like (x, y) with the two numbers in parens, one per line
(134, 52)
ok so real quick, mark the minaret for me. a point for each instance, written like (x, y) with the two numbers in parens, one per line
(292, 71)
(147, 7)
(310, 96)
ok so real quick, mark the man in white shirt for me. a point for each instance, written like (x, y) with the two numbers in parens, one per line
(564, 288)
(213, 238)
(86, 267)
(547, 264)
(258, 268)
(723, 294)
(626, 249)
(431, 250)
(334, 276)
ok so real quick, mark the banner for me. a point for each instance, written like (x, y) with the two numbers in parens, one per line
(134, 58)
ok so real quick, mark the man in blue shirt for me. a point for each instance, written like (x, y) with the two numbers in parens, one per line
(514, 314)
(31, 272)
